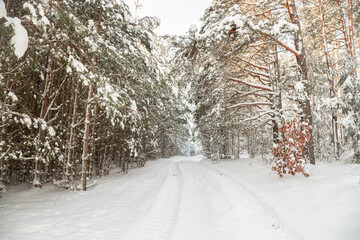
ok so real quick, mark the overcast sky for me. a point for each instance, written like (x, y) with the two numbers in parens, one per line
(176, 15)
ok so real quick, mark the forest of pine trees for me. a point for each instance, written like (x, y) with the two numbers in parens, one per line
(98, 89)
(93, 91)
(257, 66)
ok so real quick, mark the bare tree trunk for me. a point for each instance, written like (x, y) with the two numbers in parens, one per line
(301, 61)
(4, 161)
(38, 164)
(123, 150)
(276, 99)
(344, 28)
(331, 78)
(69, 162)
(347, 28)
(85, 154)
(104, 160)
(93, 143)
(126, 152)
(108, 154)
(3, 173)
(351, 27)
(238, 144)
(338, 94)
(351, 37)
(112, 148)
(9, 6)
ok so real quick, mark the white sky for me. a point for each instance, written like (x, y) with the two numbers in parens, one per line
(176, 15)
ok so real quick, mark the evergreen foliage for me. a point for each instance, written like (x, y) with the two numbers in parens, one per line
(257, 65)
(90, 67)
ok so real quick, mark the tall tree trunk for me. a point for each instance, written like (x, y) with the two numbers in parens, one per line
(85, 154)
(69, 161)
(4, 161)
(301, 61)
(351, 37)
(343, 27)
(347, 29)
(112, 148)
(338, 94)
(9, 6)
(351, 27)
(276, 99)
(3, 172)
(331, 78)
(93, 143)
(124, 149)
(38, 164)
(238, 144)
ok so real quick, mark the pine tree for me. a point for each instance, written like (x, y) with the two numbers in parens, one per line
(88, 67)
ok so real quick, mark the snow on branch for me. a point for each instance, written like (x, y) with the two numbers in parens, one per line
(258, 116)
(253, 64)
(257, 73)
(288, 48)
(250, 104)
(245, 94)
(259, 124)
(258, 86)
(20, 40)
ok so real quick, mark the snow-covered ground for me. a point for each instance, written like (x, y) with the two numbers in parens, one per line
(188, 199)
(324, 206)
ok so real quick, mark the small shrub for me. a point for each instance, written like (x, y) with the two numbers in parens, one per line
(289, 151)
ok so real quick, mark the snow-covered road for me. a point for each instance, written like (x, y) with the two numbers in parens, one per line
(171, 199)
(214, 206)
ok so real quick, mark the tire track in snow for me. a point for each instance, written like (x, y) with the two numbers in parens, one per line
(204, 213)
(158, 223)
(251, 216)
(288, 231)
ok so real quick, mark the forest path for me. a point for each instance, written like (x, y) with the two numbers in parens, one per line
(214, 206)
(171, 199)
